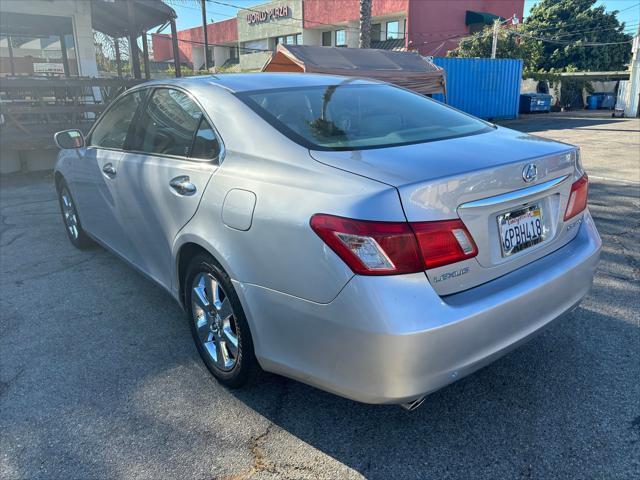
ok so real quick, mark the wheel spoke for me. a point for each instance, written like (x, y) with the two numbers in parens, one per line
(202, 325)
(211, 349)
(222, 358)
(230, 341)
(200, 298)
(225, 311)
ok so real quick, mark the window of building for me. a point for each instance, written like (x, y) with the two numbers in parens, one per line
(341, 38)
(291, 39)
(376, 32)
(168, 124)
(299, 39)
(326, 39)
(37, 45)
(112, 128)
(393, 30)
(233, 54)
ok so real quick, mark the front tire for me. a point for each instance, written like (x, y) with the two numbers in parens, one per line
(71, 219)
(218, 323)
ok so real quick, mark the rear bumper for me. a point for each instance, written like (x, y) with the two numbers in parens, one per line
(393, 339)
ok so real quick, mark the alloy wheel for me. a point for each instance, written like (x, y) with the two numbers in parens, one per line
(215, 321)
(69, 213)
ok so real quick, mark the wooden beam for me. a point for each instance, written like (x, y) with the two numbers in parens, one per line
(116, 45)
(145, 55)
(133, 40)
(176, 50)
(11, 62)
(65, 57)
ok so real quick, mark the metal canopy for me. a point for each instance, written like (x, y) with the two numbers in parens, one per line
(112, 17)
(481, 17)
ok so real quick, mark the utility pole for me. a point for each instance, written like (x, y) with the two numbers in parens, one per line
(365, 24)
(494, 45)
(206, 36)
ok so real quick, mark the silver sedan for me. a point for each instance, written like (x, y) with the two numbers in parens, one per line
(344, 232)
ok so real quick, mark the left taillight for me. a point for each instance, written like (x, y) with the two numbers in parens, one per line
(577, 198)
(391, 248)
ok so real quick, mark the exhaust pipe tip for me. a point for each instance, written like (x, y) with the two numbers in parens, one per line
(411, 406)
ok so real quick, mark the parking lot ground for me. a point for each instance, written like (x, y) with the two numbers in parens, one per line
(99, 377)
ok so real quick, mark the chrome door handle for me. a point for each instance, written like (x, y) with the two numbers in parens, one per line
(182, 186)
(109, 170)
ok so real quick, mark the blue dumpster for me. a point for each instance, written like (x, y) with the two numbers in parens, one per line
(535, 102)
(606, 100)
(592, 102)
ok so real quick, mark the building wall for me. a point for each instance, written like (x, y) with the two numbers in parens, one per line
(218, 33)
(318, 13)
(431, 24)
(80, 13)
(275, 27)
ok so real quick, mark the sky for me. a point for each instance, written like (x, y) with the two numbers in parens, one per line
(190, 14)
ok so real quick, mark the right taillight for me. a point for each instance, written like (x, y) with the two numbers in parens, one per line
(391, 248)
(577, 198)
(444, 242)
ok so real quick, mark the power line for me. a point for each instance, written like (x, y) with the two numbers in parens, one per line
(574, 44)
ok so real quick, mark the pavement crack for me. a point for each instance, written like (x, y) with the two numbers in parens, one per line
(256, 445)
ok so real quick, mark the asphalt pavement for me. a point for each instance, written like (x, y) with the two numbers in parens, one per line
(99, 377)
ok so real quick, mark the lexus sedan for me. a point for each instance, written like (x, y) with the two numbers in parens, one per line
(347, 233)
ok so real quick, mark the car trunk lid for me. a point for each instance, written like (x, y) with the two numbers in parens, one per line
(479, 179)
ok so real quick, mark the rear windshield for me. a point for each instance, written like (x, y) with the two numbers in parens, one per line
(356, 116)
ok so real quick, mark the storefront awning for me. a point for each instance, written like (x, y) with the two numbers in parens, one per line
(112, 17)
(406, 69)
(486, 18)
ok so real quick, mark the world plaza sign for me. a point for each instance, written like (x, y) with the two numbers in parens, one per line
(268, 15)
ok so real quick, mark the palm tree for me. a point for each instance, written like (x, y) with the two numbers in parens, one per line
(365, 23)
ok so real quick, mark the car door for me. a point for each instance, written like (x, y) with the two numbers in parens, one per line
(174, 152)
(95, 174)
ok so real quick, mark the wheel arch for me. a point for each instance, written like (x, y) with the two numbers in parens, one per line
(58, 178)
(188, 247)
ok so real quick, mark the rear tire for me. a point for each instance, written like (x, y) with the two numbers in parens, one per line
(218, 323)
(71, 219)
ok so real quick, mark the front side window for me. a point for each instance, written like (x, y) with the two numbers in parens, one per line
(112, 128)
(356, 116)
(173, 124)
(341, 38)
(168, 124)
(393, 30)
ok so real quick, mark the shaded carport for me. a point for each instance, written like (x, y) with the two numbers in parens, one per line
(131, 19)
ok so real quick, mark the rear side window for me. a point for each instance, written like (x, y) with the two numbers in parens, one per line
(171, 124)
(205, 143)
(112, 128)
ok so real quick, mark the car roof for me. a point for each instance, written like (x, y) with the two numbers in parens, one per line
(243, 82)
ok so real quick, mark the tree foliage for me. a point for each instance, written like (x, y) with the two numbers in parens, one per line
(566, 25)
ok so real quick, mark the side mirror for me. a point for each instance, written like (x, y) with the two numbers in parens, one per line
(69, 139)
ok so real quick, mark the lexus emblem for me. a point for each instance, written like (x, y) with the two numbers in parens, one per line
(529, 173)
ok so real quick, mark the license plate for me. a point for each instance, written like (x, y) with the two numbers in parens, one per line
(520, 229)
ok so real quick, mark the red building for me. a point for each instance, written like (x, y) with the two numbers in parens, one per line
(431, 27)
